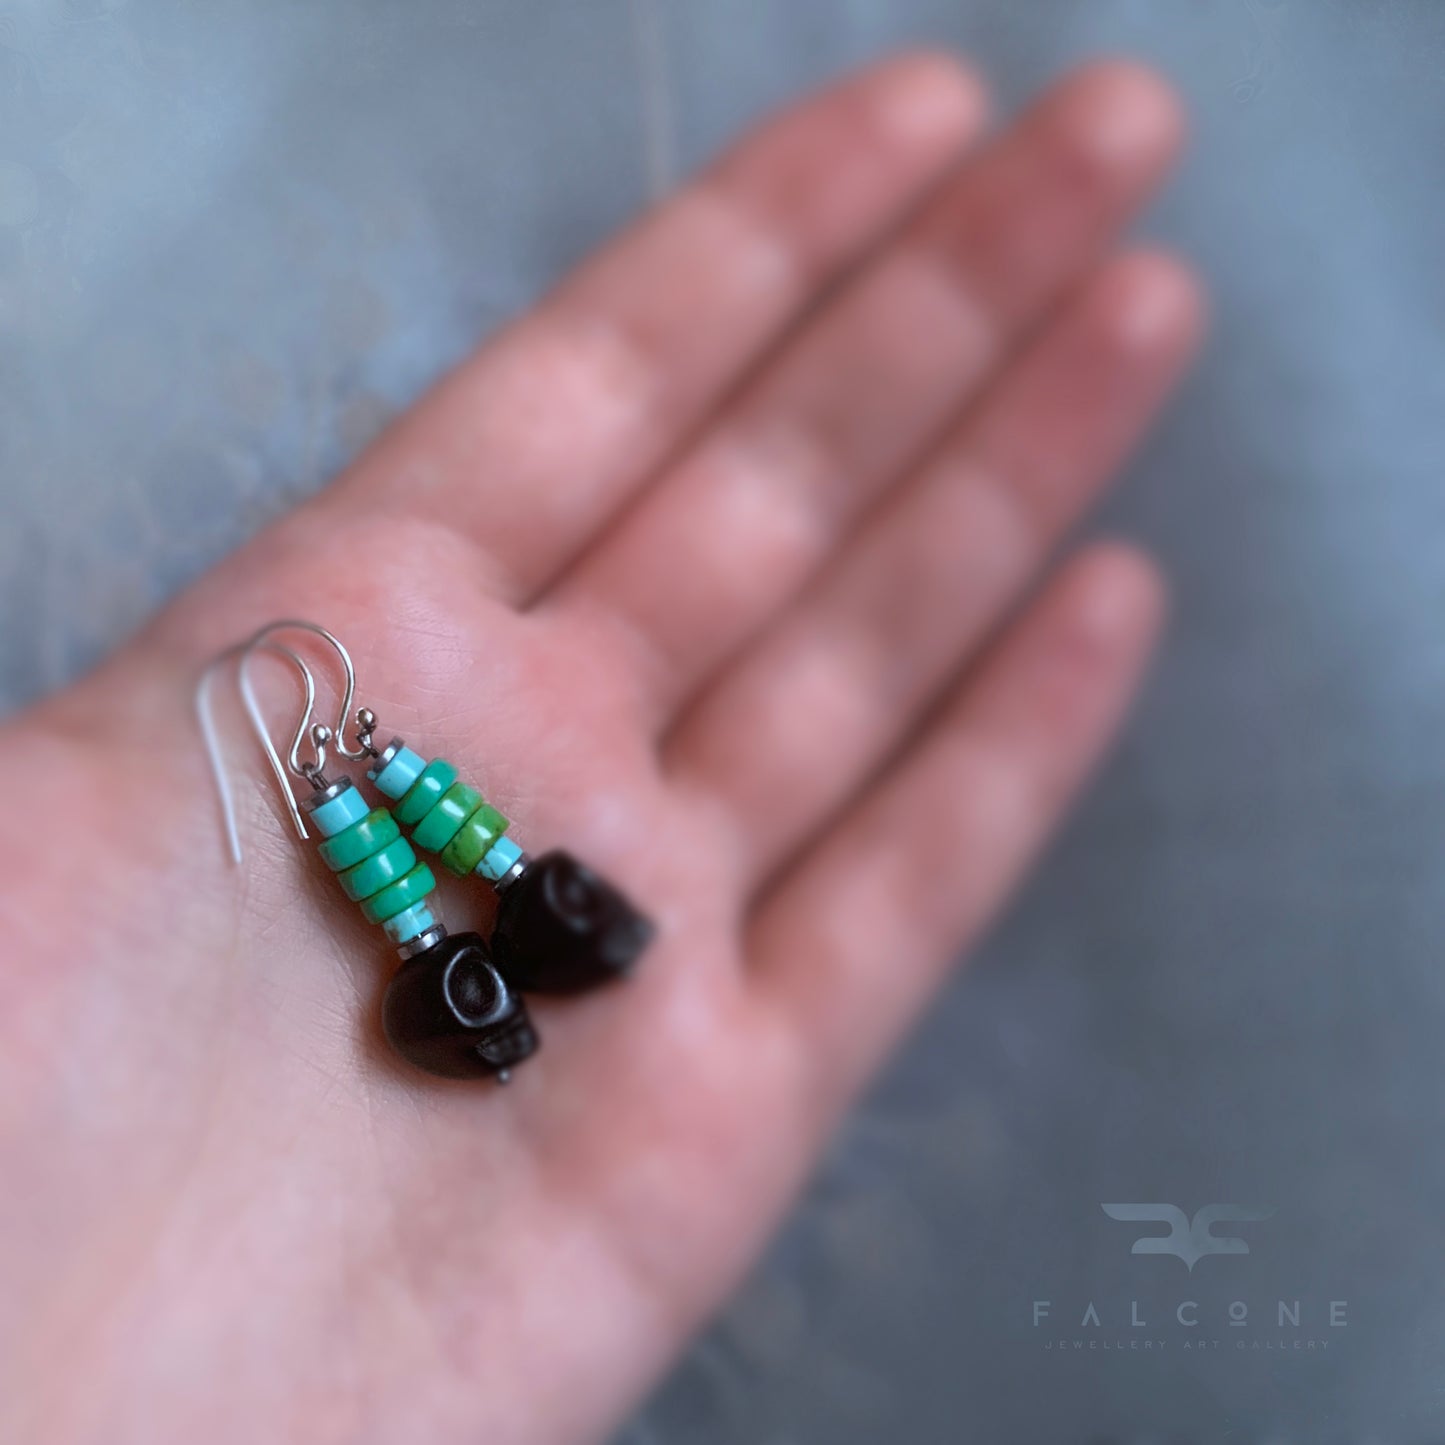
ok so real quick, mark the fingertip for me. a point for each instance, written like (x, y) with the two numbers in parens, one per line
(1117, 596)
(927, 97)
(1154, 302)
(1121, 114)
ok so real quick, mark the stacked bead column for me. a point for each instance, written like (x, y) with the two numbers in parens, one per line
(560, 927)
(376, 866)
(446, 817)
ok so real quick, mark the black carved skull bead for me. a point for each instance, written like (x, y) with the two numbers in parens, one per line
(561, 928)
(449, 1011)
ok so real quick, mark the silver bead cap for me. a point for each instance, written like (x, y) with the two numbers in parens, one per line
(313, 801)
(511, 875)
(422, 942)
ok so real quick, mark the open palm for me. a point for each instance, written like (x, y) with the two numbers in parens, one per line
(707, 571)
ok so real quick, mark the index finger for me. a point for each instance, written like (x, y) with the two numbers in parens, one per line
(531, 445)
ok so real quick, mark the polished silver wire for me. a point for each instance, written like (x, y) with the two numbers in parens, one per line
(337, 734)
(320, 735)
(242, 656)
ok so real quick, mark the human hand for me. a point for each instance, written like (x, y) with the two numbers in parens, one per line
(704, 570)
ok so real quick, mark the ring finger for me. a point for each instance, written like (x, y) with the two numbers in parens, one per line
(795, 726)
(737, 527)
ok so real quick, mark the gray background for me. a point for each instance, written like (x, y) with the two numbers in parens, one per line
(235, 236)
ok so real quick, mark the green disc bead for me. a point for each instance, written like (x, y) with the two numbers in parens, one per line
(473, 840)
(373, 874)
(448, 814)
(366, 836)
(425, 793)
(409, 889)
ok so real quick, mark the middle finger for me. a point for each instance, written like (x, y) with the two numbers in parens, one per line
(750, 512)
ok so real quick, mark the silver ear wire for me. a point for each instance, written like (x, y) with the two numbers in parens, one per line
(320, 735)
(365, 718)
(310, 772)
(242, 655)
(212, 744)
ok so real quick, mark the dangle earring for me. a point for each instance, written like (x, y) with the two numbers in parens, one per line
(561, 928)
(448, 1009)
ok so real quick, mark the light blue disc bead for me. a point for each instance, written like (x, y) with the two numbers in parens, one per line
(410, 923)
(340, 812)
(399, 774)
(498, 858)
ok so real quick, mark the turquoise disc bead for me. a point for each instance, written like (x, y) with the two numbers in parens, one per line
(403, 769)
(470, 843)
(339, 813)
(425, 793)
(373, 874)
(409, 889)
(410, 923)
(499, 859)
(360, 840)
(446, 817)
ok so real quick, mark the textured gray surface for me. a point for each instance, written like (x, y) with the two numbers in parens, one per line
(235, 236)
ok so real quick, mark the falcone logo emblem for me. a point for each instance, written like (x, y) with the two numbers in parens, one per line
(1187, 1239)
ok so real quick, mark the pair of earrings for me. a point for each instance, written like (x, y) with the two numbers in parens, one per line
(454, 1007)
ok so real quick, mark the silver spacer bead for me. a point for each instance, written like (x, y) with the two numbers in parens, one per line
(422, 942)
(312, 801)
(512, 874)
(384, 757)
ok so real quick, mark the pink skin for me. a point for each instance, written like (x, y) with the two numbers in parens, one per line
(714, 570)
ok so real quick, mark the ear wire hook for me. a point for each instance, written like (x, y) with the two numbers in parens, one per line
(243, 653)
(320, 734)
(365, 718)
(263, 732)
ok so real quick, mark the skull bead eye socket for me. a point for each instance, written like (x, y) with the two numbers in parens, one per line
(629, 934)
(473, 989)
(574, 895)
(449, 1011)
(562, 929)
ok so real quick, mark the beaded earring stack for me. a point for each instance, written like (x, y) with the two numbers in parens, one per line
(454, 1008)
